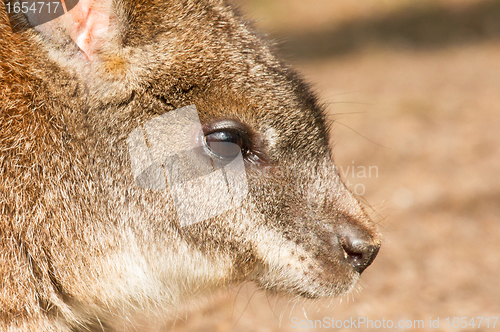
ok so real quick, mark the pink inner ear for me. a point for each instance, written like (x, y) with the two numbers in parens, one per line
(88, 24)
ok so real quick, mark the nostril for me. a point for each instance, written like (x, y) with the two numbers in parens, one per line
(359, 253)
(355, 258)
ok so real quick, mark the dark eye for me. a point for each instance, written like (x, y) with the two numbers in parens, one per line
(227, 144)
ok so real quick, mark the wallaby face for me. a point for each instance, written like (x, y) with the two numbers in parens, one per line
(82, 245)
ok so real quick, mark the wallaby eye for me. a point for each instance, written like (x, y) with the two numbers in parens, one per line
(227, 144)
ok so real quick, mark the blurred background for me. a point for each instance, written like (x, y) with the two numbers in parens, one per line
(414, 89)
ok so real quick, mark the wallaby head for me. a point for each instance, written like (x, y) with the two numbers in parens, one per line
(82, 244)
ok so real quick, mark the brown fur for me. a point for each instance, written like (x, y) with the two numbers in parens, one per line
(81, 245)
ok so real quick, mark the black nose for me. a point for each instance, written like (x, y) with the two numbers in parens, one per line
(359, 250)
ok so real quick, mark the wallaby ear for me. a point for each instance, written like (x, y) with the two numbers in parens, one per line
(87, 23)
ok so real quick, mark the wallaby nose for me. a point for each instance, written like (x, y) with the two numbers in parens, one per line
(359, 250)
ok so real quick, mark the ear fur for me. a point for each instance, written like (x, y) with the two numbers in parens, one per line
(88, 24)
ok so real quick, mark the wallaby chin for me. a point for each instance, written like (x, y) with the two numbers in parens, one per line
(152, 152)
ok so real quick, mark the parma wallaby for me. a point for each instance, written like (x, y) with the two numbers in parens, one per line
(83, 245)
